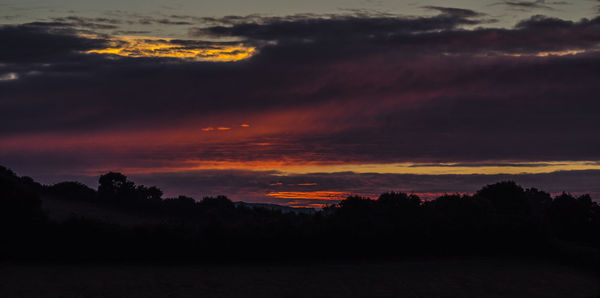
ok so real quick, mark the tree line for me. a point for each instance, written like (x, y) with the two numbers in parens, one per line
(501, 218)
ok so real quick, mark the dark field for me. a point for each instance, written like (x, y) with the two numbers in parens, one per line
(415, 278)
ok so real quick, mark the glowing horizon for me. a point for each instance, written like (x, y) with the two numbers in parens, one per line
(284, 168)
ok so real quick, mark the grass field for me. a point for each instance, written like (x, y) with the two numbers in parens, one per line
(418, 278)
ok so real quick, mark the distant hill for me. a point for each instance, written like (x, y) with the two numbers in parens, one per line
(275, 207)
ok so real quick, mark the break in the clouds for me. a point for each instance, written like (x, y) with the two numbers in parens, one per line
(302, 94)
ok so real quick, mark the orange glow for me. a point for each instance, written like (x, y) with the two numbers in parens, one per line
(145, 46)
(309, 195)
(245, 125)
(292, 167)
(261, 158)
(210, 128)
(268, 146)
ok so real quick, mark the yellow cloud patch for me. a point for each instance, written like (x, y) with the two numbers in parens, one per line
(142, 46)
(554, 53)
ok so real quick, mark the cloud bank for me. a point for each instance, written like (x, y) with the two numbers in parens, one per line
(318, 90)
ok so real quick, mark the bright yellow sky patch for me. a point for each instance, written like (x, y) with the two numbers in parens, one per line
(286, 168)
(448, 168)
(142, 46)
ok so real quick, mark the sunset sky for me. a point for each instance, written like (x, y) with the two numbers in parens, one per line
(302, 103)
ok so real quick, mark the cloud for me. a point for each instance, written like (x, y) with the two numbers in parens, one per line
(319, 89)
(8, 76)
(41, 42)
(461, 12)
(530, 5)
(142, 46)
(439, 33)
(163, 21)
(544, 22)
(332, 28)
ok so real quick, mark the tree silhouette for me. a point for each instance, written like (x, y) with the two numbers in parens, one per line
(506, 198)
(398, 201)
(499, 218)
(19, 202)
(574, 218)
(115, 186)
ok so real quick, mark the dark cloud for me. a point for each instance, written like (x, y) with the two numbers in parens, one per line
(42, 42)
(529, 5)
(162, 21)
(337, 27)
(434, 34)
(465, 13)
(541, 22)
(361, 89)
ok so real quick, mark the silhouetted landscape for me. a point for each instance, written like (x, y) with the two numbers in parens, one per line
(314, 148)
(501, 218)
(122, 222)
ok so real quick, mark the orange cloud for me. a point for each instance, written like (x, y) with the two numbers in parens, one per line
(145, 46)
(309, 195)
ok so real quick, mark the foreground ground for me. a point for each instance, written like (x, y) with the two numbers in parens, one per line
(423, 278)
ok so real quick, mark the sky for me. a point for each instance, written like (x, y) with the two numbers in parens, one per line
(302, 103)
